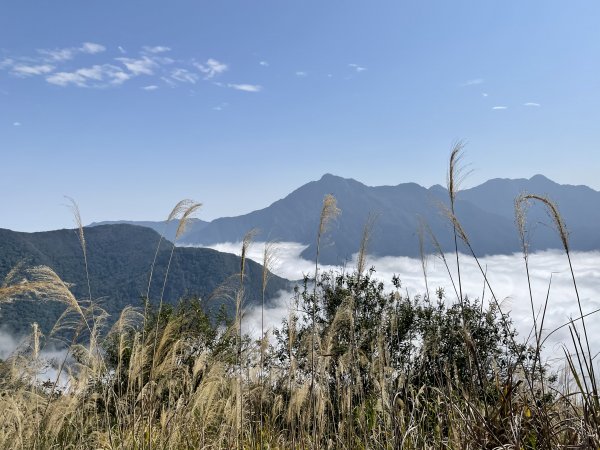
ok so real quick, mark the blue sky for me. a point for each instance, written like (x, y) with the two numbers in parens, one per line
(130, 106)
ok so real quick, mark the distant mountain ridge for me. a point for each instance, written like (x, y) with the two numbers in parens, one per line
(167, 230)
(486, 212)
(119, 258)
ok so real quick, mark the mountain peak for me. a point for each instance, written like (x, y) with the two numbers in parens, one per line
(330, 181)
(540, 178)
(330, 176)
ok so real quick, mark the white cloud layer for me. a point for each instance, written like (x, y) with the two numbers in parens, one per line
(506, 274)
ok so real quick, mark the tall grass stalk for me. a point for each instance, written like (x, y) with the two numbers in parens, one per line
(329, 211)
(186, 210)
(454, 178)
(268, 261)
(246, 242)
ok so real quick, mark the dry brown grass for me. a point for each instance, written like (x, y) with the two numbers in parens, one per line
(339, 375)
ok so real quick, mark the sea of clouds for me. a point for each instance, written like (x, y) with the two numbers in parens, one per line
(506, 275)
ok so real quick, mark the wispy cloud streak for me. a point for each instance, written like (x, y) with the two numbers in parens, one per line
(246, 87)
(473, 82)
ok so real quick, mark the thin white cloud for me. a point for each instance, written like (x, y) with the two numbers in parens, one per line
(357, 68)
(484, 94)
(211, 68)
(472, 82)
(91, 48)
(94, 76)
(6, 62)
(118, 77)
(221, 106)
(169, 81)
(536, 105)
(157, 49)
(16, 124)
(498, 108)
(246, 87)
(140, 66)
(148, 62)
(184, 76)
(58, 54)
(301, 74)
(23, 70)
(151, 87)
(66, 78)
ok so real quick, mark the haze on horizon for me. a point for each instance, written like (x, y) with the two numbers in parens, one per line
(130, 107)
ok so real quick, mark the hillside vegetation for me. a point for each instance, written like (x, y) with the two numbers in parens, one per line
(119, 259)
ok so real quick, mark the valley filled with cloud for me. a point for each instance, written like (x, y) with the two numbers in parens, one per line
(549, 271)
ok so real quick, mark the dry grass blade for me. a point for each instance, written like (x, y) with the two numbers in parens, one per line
(246, 243)
(41, 282)
(187, 214)
(455, 177)
(77, 217)
(522, 204)
(460, 231)
(456, 170)
(13, 273)
(364, 243)
(442, 255)
(269, 262)
(329, 212)
(422, 254)
(554, 215)
(180, 208)
(561, 229)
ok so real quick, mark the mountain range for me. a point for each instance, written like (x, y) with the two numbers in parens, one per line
(119, 260)
(486, 212)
